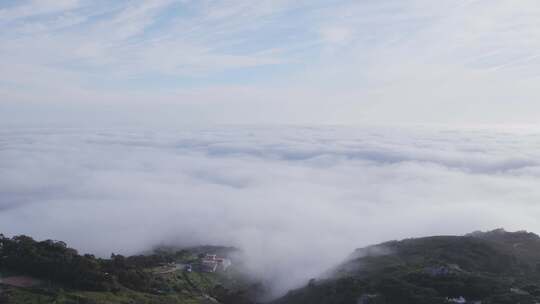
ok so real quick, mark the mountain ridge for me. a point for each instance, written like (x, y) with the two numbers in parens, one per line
(492, 267)
(480, 267)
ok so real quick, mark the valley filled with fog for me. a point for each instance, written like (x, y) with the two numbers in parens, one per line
(296, 200)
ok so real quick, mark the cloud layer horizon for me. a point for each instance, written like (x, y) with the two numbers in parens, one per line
(297, 200)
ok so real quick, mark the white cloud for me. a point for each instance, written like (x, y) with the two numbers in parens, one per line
(297, 200)
(35, 8)
(335, 34)
(281, 193)
(301, 62)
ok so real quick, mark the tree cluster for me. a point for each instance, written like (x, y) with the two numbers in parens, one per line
(53, 261)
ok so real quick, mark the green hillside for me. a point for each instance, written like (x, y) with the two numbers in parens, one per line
(491, 267)
(51, 272)
(482, 267)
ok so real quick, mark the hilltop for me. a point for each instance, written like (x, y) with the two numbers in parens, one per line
(481, 267)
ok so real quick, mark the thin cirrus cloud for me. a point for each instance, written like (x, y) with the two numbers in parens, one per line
(297, 200)
(276, 61)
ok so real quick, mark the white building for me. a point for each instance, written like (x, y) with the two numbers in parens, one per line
(213, 263)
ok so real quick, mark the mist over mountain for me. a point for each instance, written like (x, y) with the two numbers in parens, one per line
(296, 200)
(240, 151)
(496, 267)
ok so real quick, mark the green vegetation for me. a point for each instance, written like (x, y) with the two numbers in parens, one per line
(68, 277)
(493, 267)
(31, 296)
(54, 261)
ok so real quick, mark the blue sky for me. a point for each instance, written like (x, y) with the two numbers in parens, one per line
(278, 61)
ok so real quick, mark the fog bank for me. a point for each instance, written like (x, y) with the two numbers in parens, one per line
(297, 200)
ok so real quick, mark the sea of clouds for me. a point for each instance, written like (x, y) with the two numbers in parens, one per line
(297, 200)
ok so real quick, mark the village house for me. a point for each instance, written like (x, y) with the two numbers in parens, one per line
(461, 300)
(213, 263)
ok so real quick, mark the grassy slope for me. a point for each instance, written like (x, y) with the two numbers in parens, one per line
(30, 296)
(183, 288)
